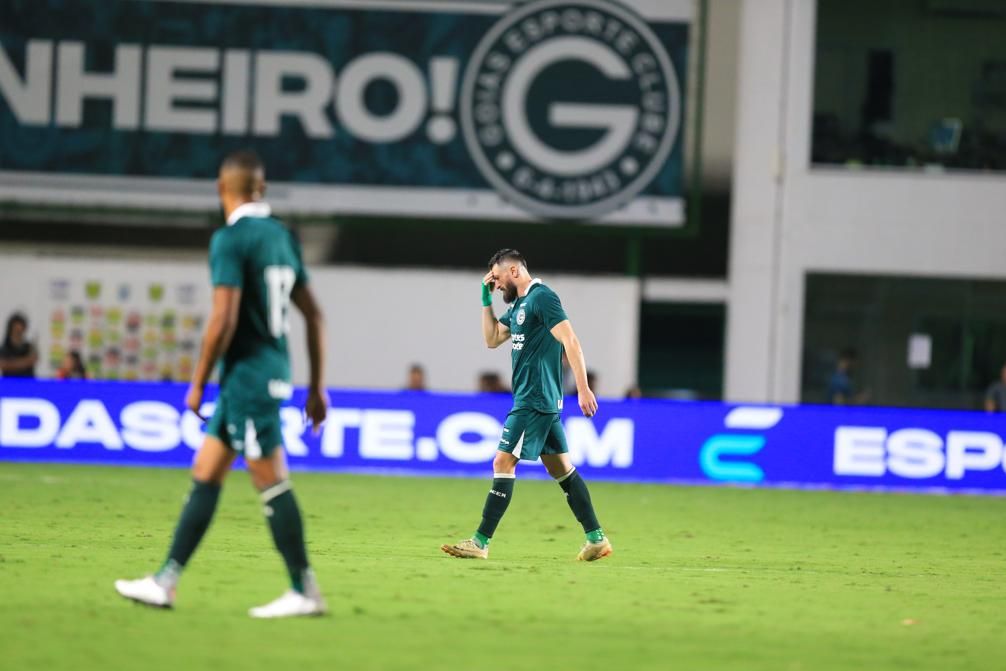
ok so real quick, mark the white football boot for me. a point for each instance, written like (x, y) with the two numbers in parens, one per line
(291, 604)
(294, 604)
(146, 591)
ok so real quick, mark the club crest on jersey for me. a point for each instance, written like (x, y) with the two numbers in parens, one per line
(521, 316)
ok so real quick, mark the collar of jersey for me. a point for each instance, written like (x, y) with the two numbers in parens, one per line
(533, 282)
(258, 208)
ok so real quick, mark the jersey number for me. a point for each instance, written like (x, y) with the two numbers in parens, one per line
(279, 280)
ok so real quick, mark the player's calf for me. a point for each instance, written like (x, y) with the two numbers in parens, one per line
(497, 501)
(578, 498)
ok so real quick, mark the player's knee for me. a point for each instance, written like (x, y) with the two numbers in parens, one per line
(212, 463)
(504, 462)
(557, 465)
(264, 478)
(207, 475)
(556, 470)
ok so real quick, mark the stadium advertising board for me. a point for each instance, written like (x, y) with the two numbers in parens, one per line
(438, 434)
(552, 109)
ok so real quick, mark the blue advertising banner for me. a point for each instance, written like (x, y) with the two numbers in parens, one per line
(440, 434)
(553, 109)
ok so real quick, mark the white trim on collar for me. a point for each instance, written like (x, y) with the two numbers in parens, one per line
(528, 290)
(255, 208)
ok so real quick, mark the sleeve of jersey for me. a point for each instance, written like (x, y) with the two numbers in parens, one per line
(301, 271)
(505, 318)
(225, 261)
(550, 310)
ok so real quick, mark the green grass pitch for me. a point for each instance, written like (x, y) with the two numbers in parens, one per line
(701, 578)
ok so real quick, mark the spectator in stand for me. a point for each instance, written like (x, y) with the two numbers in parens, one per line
(995, 396)
(491, 383)
(417, 378)
(633, 392)
(842, 385)
(72, 367)
(17, 355)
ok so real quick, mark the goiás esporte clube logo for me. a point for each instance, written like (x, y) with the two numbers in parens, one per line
(570, 108)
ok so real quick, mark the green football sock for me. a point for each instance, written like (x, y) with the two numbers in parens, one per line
(578, 499)
(197, 513)
(287, 527)
(497, 501)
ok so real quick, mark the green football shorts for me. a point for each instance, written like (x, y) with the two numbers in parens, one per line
(253, 430)
(528, 434)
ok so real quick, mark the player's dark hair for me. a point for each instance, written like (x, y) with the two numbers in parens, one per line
(244, 159)
(16, 318)
(507, 255)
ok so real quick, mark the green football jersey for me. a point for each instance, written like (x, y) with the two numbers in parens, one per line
(260, 256)
(536, 356)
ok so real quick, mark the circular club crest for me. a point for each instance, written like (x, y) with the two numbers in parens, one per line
(570, 108)
(521, 316)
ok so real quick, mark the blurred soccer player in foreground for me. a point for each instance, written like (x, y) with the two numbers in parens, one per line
(540, 331)
(256, 269)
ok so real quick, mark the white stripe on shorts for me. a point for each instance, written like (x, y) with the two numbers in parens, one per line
(252, 449)
(519, 447)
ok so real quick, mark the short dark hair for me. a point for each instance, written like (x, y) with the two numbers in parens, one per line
(245, 159)
(507, 255)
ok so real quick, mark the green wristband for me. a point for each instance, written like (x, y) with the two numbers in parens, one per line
(487, 296)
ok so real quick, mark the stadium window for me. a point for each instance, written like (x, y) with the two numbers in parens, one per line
(912, 85)
(877, 316)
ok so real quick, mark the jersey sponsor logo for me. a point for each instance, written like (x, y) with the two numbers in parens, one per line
(518, 341)
(613, 145)
(280, 390)
(521, 316)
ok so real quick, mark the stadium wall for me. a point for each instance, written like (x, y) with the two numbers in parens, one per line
(791, 218)
(378, 321)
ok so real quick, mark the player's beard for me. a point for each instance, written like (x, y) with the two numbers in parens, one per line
(509, 294)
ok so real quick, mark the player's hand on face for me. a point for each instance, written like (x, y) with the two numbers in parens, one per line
(316, 408)
(588, 403)
(489, 281)
(194, 400)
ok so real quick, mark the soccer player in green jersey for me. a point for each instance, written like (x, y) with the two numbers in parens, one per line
(257, 270)
(539, 330)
